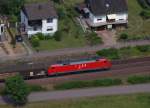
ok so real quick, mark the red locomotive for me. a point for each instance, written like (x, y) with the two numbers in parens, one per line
(79, 65)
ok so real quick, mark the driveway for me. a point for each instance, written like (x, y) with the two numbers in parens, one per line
(108, 37)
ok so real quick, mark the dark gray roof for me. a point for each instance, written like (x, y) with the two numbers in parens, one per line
(38, 11)
(99, 7)
(148, 1)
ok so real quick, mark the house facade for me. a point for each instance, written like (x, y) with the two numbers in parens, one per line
(2, 31)
(106, 13)
(39, 18)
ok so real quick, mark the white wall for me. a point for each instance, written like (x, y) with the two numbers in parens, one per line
(53, 25)
(94, 19)
(122, 16)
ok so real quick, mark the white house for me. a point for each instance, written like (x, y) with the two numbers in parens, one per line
(106, 13)
(39, 18)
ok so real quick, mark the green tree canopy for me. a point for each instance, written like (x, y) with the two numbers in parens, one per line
(17, 89)
(10, 7)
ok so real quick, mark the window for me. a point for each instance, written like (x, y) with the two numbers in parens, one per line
(35, 28)
(2, 29)
(99, 19)
(49, 20)
(49, 28)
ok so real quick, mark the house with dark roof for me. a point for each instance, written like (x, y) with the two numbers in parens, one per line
(106, 13)
(39, 18)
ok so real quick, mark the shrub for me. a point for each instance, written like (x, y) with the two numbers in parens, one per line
(40, 36)
(94, 83)
(138, 79)
(35, 41)
(123, 36)
(143, 4)
(57, 36)
(111, 53)
(145, 14)
(143, 48)
(94, 39)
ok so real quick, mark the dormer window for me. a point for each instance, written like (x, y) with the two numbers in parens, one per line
(49, 20)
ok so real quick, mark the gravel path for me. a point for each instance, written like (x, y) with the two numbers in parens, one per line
(71, 94)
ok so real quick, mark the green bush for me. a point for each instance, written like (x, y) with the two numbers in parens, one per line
(57, 36)
(143, 4)
(35, 41)
(48, 36)
(123, 36)
(111, 53)
(143, 48)
(145, 14)
(94, 39)
(138, 79)
(40, 36)
(83, 84)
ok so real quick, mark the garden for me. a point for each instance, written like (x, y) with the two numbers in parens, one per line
(139, 21)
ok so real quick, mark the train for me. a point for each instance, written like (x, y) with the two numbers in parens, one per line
(79, 65)
(63, 67)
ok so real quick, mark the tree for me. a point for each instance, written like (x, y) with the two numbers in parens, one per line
(16, 89)
(11, 7)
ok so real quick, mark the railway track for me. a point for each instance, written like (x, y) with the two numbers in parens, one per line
(120, 68)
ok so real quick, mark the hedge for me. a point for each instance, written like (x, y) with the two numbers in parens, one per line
(111, 53)
(138, 79)
(36, 88)
(144, 48)
(93, 83)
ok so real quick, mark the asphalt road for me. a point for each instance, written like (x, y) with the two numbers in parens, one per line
(78, 93)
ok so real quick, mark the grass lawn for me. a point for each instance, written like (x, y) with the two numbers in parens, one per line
(68, 41)
(137, 25)
(122, 101)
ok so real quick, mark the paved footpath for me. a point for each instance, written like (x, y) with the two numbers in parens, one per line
(78, 93)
